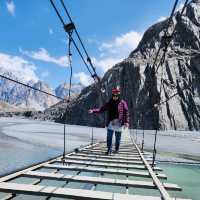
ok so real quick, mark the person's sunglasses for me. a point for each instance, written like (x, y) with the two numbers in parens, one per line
(115, 95)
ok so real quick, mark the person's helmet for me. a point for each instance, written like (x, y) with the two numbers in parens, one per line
(116, 91)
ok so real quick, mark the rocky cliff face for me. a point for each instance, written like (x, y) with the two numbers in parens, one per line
(63, 90)
(25, 98)
(5, 107)
(181, 70)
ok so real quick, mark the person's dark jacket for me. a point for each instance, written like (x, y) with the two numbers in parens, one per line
(122, 111)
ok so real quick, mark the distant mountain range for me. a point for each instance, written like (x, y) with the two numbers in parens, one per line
(5, 107)
(21, 98)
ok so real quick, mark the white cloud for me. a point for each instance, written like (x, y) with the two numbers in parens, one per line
(106, 63)
(114, 51)
(44, 74)
(11, 7)
(123, 44)
(180, 6)
(43, 55)
(22, 69)
(83, 78)
(162, 18)
(50, 31)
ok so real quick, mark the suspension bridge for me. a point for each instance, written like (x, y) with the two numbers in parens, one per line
(131, 160)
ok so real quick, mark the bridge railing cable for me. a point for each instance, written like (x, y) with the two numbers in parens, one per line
(30, 87)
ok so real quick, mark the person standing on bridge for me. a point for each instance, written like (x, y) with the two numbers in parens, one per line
(118, 117)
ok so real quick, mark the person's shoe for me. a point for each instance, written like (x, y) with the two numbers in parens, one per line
(116, 151)
(108, 152)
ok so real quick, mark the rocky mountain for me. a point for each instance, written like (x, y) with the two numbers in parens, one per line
(5, 107)
(140, 85)
(63, 90)
(25, 98)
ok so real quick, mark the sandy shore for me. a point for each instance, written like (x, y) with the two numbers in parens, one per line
(175, 146)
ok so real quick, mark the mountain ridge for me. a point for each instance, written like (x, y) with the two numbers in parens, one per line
(24, 98)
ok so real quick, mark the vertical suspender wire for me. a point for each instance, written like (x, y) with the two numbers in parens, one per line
(157, 121)
(92, 137)
(142, 117)
(154, 149)
(69, 94)
(136, 133)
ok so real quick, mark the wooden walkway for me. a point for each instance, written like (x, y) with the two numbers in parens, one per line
(90, 168)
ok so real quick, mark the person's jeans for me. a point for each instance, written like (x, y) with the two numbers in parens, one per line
(109, 139)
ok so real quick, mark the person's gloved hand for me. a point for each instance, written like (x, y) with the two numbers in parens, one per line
(126, 125)
(90, 111)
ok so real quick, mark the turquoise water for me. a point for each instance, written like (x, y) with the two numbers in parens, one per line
(186, 176)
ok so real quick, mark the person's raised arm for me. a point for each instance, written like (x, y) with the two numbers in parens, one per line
(100, 110)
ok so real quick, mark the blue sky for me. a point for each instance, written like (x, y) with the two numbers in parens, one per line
(33, 42)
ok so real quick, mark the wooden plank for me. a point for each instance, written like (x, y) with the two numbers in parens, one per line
(104, 170)
(158, 184)
(114, 156)
(132, 150)
(120, 148)
(79, 194)
(139, 162)
(122, 144)
(106, 158)
(11, 196)
(8, 197)
(102, 164)
(103, 151)
(99, 180)
(122, 155)
(93, 163)
(15, 175)
(128, 151)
